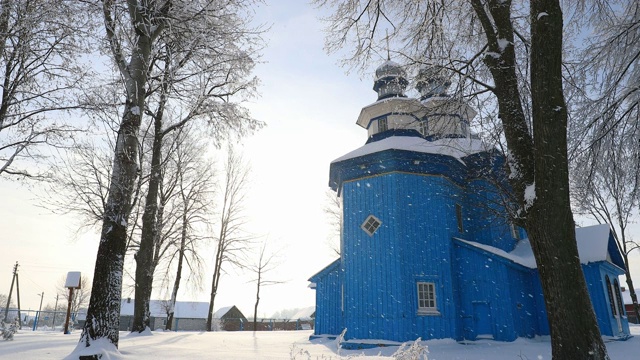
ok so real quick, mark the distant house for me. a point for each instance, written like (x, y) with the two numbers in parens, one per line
(231, 318)
(188, 316)
(305, 318)
(628, 306)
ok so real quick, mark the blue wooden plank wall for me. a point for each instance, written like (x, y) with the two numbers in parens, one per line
(481, 281)
(491, 225)
(594, 274)
(328, 312)
(413, 244)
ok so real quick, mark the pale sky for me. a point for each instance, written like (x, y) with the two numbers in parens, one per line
(310, 106)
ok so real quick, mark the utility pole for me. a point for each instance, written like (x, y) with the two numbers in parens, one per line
(55, 311)
(18, 297)
(13, 279)
(35, 325)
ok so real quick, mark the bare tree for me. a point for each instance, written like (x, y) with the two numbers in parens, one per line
(604, 138)
(333, 211)
(201, 68)
(195, 185)
(139, 34)
(40, 44)
(607, 189)
(80, 185)
(261, 269)
(513, 55)
(132, 30)
(231, 242)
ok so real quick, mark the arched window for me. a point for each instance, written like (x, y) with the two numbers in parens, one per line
(611, 299)
(616, 288)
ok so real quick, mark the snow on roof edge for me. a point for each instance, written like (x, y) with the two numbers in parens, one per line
(454, 147)
(592, 244)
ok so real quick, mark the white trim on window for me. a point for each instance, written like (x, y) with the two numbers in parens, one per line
(371, 224)
(424, 127)
(427, 304)
(515, 232)
(382, 124)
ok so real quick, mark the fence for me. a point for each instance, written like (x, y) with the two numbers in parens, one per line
(280, 325)
(40, 320)
(54, 320)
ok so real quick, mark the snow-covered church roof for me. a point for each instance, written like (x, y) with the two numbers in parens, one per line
(595, 243)
(455, 147)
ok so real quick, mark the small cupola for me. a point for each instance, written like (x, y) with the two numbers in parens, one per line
(432, 83)
(390, 80)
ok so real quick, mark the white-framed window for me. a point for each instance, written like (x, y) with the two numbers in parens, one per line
(515, 232)
(382, 124)
(427, 298)
(424, 127)
(371, 224)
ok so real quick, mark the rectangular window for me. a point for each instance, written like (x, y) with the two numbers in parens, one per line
(459, 217)
(427, 298)
(382, 124)
(424, 128)
(515, 232)
(463, 127)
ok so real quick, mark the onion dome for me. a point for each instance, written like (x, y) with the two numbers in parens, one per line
(431, 82)
(390, 80)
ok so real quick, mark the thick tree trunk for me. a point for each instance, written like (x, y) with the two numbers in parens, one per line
(145, 262)
(572, 322)
(103, 314)
(540, 162)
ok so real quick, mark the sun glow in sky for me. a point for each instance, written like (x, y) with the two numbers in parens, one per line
(310, 106)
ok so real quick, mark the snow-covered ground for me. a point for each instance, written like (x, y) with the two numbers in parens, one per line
(280, 345)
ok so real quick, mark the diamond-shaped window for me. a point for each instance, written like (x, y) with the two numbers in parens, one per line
(371, 224)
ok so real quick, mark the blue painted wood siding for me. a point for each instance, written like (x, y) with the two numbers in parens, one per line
(484, 280)
(490, 223)
(594, 274)
(413, 244)
(328, 312)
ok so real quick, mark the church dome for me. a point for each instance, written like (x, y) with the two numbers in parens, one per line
(390, 69)
(390, 80)
(431, 82)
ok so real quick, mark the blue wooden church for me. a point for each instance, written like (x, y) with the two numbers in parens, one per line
(426, 250)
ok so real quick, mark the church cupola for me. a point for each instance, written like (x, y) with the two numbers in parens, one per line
(432, 83)
(390, 80)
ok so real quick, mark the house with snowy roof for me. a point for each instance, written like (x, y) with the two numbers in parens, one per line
(188, 315)
(426, 250)
(230, 318)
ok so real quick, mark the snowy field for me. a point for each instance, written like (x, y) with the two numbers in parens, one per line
(247, 345)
